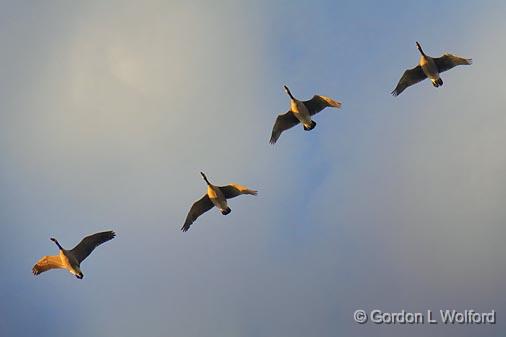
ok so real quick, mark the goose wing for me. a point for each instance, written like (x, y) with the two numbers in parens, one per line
(448, 61)
(283, 122)
(198, 208)
(89, 243)
(233, 190)
(318, 103)
(410, 77)
(46, 263)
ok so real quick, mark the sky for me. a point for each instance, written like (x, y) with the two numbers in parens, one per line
(109, 111)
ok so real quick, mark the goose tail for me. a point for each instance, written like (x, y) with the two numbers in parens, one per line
(311, 127)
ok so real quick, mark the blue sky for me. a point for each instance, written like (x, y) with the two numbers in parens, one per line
(107, 112)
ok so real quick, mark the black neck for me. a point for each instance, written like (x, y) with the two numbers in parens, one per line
(420, 49)
(289, 93)
(205, 178)
(57, 243)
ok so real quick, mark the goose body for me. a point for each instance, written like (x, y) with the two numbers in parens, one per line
(301, 112)
(71, 259)
(428, 67)
(69, 262)
(216, 196)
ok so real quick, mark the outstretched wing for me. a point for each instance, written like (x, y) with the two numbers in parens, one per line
(89, 243)
(283, 122)
(448, 61)
(318, 103)
(198, 208)
(233, 190)
(410, 77)
(46, 263)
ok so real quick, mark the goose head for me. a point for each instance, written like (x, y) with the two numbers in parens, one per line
(419, 47)
(80, 275)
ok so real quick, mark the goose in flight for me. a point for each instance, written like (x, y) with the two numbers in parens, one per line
(428, 67)
(215, 196)
(301, 112)
(71, 259)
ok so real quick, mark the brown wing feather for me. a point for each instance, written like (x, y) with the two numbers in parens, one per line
(89, 243)
(410, 77)
(46, 263)
(283, 122)
(318, 103)
(233, 190)
(448, 61)
(198, 208)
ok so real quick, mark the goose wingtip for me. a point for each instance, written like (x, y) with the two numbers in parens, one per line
(110, 234)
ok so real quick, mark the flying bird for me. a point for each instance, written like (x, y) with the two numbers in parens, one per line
(71, 259)
(215, 196)
(428, 67)
(301, 112)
